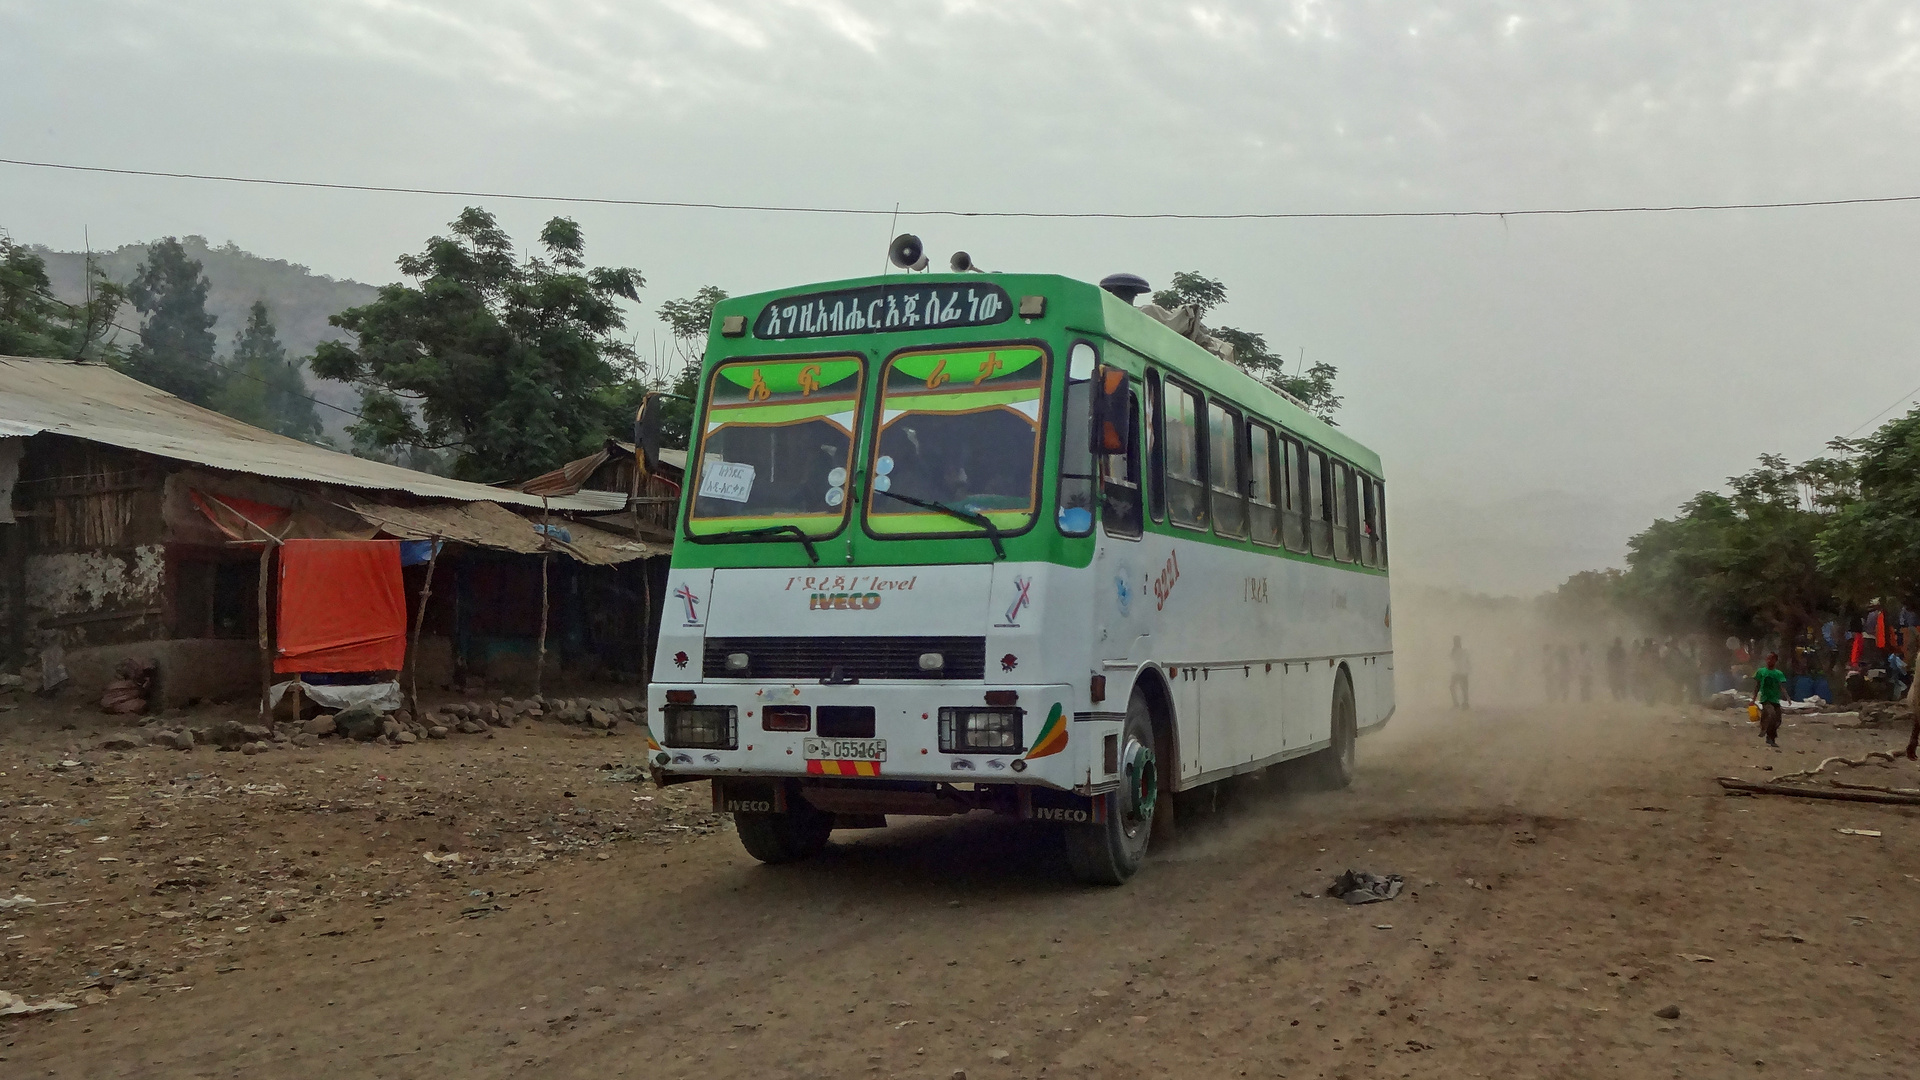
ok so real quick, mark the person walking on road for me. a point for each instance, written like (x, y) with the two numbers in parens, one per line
(1769, 683)
(1462, 668)
(1585, 669)
(1617, 670)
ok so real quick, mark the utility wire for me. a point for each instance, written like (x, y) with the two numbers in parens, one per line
(1903, 399)
(1023, 214)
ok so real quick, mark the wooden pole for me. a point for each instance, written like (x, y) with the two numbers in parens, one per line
(540, 661)
(419, 620)
(1746, 787)
(266, 622)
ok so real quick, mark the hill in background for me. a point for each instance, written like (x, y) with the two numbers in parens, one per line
(299, 300)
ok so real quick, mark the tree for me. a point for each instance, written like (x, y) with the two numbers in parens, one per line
(689, 319)
(1872, 544)
(175, 353)
(35, 322)
(1314, 388)
(1740, 563)
(511, 365)
(263, 387)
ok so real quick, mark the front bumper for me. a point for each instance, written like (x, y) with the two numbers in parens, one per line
(1066, 753)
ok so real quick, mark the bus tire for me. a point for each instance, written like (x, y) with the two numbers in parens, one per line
(1108, 852)
(1333, 767)
(783, 838)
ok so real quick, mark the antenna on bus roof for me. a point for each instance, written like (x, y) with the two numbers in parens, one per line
(907, 253)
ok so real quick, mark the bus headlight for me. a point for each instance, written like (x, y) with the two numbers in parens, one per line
(702, 727)
(932, 661)
(738, 661)
(980, 731)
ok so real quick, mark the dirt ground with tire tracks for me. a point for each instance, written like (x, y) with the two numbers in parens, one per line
(1571, 872)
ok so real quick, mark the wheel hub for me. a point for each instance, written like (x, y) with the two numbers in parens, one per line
(1142, 783)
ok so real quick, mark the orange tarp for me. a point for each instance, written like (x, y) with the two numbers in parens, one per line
(342, 607)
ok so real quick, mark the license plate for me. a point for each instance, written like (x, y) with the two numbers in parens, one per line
(846, 749)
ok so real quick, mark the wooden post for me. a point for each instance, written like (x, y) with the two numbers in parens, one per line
(419, 620)
(540, 661)
(266, 622)
(646, 619)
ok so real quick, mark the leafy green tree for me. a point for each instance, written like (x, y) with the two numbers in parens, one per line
(35, 322)
(1740, 563)
(688, 318)
(511, 365)
(1872, 544)
(1314, 387)
(175, 353)
(263, 387)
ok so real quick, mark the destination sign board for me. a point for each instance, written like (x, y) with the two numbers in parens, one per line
(879, 309)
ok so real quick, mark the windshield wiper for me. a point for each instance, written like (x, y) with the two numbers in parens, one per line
(775, 530)
(968, 516)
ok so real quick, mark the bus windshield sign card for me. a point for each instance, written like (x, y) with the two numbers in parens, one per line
(729, 480)
(877, 309)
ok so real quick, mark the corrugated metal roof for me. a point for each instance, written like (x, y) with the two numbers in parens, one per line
(92, 401)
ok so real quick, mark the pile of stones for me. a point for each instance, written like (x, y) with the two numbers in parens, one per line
(608, 716)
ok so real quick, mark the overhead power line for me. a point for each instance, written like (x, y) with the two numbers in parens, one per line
(767, 208)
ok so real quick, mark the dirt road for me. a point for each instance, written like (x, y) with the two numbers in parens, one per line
(1571, 872)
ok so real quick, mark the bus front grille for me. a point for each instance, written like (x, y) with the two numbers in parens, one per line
(815, 658)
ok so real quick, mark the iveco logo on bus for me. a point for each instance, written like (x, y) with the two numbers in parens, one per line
(843, 601)
(1060, 813)
(749, 806)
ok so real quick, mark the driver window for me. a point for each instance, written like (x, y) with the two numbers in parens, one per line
(959, 427)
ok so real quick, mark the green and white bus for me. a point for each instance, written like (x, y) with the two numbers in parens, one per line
(958, 542)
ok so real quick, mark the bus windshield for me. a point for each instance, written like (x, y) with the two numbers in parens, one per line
(776, 445)
(959, 427)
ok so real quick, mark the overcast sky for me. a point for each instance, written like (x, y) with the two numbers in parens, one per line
(1628, 360)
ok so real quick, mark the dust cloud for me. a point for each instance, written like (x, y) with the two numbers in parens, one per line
(1514, 647)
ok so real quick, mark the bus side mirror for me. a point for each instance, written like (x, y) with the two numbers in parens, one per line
(646, 432)
(1111, 424)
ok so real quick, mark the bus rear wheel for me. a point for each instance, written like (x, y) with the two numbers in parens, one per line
(784, 838)
(1333, 767)
(1108, 852)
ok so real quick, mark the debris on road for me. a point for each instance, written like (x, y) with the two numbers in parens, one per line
(12, 1004)
(1852, 763)
(1359, 887)
(1860, 832)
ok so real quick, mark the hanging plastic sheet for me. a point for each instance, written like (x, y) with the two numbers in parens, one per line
(415, 552)
(342, 607)
(380, 696)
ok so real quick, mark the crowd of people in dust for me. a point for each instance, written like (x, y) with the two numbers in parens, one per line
(1675, 671)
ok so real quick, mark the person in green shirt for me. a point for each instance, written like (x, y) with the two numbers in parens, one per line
(1769, 684)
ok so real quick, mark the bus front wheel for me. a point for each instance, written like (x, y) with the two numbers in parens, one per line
(784, 838)
(1108, 852)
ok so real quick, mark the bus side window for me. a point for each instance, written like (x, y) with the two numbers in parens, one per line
(1369, 522)
(1293, 495)
(1156, 441)
(1120, 477)
(1346, 535)
(1319, 504)
(1380, 528)
(1263, 510)
(1224, 472)
(1185, 457)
